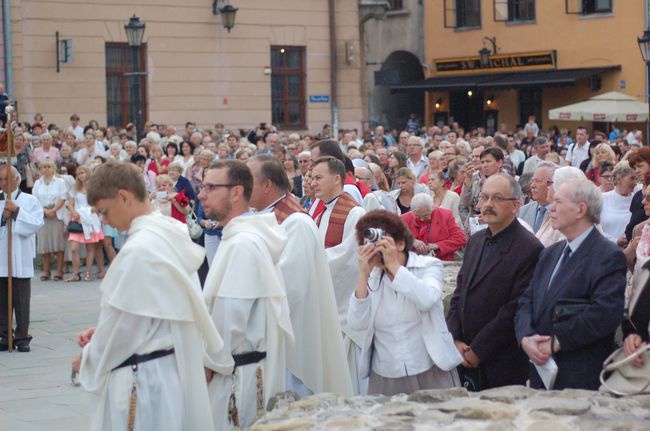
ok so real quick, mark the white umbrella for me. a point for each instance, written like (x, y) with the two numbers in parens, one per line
(608, 107)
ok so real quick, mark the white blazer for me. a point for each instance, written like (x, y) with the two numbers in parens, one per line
(422, 272)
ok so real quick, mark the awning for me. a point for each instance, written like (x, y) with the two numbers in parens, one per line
(609, 107)
(537, 78)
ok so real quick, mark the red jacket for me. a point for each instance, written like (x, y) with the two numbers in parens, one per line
(441, 229)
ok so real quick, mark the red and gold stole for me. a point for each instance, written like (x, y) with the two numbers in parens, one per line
(340, 212)
(285, 207)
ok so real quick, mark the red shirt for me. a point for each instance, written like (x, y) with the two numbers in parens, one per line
(154, 168)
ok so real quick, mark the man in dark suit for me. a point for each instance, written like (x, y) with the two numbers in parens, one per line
(587, 270)
(499, 262)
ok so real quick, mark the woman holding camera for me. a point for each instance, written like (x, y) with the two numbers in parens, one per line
(398, 303)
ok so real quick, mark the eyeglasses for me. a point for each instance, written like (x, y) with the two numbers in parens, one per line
(363, 179)
(207, 187)
(496, 199)
(607, 177)
(646, 198)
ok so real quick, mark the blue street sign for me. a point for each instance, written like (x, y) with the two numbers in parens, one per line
(319, 99)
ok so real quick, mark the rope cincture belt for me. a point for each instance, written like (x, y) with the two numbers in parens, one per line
(138, 359)
(248, 358)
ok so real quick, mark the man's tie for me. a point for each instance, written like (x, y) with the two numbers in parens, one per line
(539, 217)
(566, 255)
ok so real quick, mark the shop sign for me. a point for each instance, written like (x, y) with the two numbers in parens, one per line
(498, 62)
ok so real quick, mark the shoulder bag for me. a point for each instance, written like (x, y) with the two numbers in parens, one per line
(620, 377)
(193, 225)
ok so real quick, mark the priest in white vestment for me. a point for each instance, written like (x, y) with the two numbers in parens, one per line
(316, 361)
(245, 295)
(26, 214)
(144, 358)
(337, 228)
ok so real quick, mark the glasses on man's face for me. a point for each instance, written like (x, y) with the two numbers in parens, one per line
(646, 198)
(607, 177)
(207, 187)
(496, 199)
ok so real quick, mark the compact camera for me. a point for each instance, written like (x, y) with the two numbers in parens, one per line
(373, 234)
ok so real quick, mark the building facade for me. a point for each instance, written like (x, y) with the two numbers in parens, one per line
(496, 62)
(393, 40)
(274, 66)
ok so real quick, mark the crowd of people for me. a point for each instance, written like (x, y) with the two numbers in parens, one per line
(320, 263)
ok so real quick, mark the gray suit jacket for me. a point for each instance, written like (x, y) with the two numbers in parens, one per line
(528, 212)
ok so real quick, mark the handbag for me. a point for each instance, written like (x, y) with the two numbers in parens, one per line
(623, 378)
(565, 309)
(193, 225)
(75, 227)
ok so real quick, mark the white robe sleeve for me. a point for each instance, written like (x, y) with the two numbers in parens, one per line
(118, 336)
(29, 219)
(359, 313)
(231, 317)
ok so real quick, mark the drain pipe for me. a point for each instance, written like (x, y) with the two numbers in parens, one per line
(333, 70)
(8, 44)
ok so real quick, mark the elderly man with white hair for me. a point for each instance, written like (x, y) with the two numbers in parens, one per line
(416, 161)
(574, 303)
(434, 229)
(26, 214)
(536, 213)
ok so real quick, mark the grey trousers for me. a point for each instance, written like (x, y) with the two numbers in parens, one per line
(21, 294)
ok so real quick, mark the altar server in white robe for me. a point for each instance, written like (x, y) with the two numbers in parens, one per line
(153, 325)
(245, 295)
(26, 214)
(337, 228)
(316, 362)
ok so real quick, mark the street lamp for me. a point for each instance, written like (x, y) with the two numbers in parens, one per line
(484, 54)
(134, 34)
(644, 46)
(228, 13)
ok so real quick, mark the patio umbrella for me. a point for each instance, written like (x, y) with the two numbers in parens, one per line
(608, 107)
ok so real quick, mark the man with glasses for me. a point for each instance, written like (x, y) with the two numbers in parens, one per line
(499, 262)
(246, 298)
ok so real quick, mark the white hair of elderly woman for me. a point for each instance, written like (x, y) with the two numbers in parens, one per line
(421, 201)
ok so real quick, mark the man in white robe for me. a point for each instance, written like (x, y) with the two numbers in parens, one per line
(153, 323)
(337, 228)
(317, 358)
(26, 214)
(245, 295)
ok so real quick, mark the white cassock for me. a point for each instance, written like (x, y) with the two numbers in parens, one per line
(344, 266)
(23, 235)
(152, 301)
(245, 295)
(317, 358)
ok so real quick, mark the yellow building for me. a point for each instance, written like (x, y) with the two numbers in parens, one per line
(537, 55)
(274, 66)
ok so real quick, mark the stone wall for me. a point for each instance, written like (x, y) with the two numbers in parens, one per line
(503, 409)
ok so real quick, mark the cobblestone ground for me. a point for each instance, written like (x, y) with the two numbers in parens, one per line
(35, 389)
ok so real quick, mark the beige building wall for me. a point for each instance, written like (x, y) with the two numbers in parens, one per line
(197, 70)
(580, 41)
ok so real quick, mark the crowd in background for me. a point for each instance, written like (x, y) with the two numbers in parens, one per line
(433, 178)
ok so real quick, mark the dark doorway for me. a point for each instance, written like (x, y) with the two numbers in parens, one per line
(465, 109)
(530, 103)
(393, 109)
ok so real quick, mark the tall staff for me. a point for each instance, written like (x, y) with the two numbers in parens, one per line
(9, 139)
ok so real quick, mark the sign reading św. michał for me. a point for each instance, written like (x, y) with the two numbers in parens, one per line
(498, 62)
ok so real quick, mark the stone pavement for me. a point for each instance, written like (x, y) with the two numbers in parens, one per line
(35, 389)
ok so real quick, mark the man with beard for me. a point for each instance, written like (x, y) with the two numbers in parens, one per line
(246, 298)
(316, 361)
